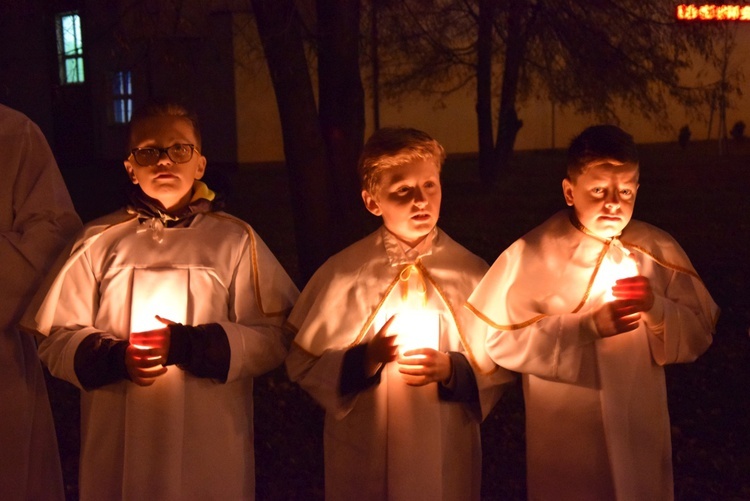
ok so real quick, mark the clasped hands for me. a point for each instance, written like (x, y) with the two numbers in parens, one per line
(633, 295)
(145, 359)
(418, 367)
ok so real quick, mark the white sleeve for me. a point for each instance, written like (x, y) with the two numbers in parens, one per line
(321, 378)
(679, 329)
(551, 347)
(73, 318)
(39, 221)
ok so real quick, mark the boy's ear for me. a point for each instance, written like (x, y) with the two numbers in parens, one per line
(130, 171)
(567, 187)
(200, 170)
(371, 204)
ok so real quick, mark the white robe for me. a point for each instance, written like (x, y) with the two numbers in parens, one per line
(36, 220)
(184, 437)
(391, 441)
(597, 424)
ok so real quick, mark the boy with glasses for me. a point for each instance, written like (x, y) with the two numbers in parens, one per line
(162, 315)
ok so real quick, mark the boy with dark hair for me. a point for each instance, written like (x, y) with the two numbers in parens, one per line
(589, 307)
(162, 316)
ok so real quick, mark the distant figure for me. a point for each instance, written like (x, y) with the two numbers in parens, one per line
(36, 220)
(162, 316)
(684, 137)
(382, 341)
(589, 307)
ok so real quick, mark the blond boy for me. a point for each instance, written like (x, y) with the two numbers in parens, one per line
(401, 411)
(162, 316)
(589, 307)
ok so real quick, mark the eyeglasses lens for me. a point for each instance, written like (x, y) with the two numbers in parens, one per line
(147, 156)
(178, 153)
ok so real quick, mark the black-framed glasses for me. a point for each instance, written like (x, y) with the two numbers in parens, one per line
(178, 153)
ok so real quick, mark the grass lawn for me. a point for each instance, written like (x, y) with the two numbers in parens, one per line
(697, 196)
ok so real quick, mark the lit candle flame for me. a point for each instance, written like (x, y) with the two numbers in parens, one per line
(416, 328)
(610, 272)
(156, 292)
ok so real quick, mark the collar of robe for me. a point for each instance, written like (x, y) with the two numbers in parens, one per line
(152, 213)
(411, 278)
(609, 243)
(612, 250)
(580, 227)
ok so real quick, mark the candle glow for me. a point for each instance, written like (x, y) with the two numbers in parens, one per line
(416, 328)
(163, 293)
(610, 272)
(613, 269)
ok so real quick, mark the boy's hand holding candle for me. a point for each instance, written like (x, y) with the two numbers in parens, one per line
(147, 353)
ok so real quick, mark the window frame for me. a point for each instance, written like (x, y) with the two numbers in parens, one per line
(70, 59)
(121, 97)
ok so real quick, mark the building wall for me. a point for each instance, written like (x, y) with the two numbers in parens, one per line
(27, 59)
(190, 62)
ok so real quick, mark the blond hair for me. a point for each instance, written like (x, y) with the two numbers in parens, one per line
(392, 147)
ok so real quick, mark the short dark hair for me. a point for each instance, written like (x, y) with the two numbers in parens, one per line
(600, 142)
(164, 108)
(394, 146)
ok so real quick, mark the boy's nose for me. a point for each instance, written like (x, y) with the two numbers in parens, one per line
(164, 159)
(613, 200)
(419, 199)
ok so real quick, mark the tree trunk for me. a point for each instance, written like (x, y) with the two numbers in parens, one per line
(484, 88)
(375, 61)
(304, 147)
(508, 123)
(342, 112)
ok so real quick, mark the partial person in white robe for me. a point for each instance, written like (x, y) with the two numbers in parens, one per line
(162, 315)
(397, 427)
(589, 307)
(37, 219)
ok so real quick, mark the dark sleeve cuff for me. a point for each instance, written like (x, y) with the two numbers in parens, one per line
(100, 361)
(202, 350)
(463, 387)
(353, 377)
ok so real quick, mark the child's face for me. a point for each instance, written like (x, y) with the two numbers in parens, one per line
(168, 182)
(603, 196)
(408, 197)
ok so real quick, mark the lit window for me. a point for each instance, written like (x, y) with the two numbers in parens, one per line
(70, 48)
(122, 97)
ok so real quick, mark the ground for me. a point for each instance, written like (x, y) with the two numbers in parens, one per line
(697, 196)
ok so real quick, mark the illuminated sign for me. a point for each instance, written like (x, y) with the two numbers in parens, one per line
(713, 12)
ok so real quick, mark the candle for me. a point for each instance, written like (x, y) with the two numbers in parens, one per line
(416, 328)
(611, 271)
(160, 292)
